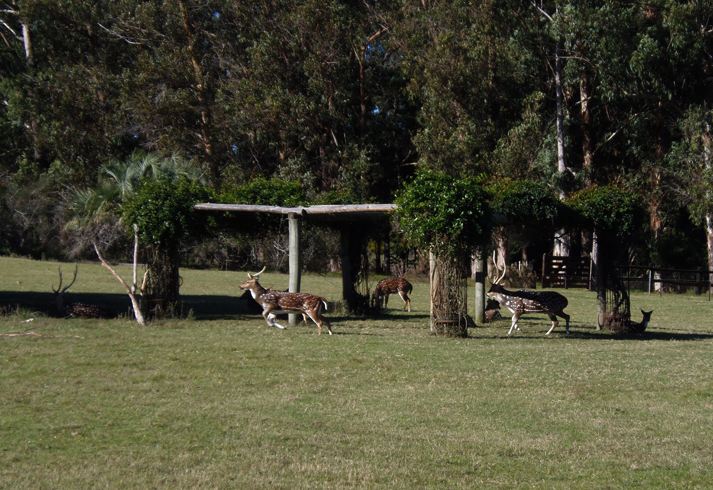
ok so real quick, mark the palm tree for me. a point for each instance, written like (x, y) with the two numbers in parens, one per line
(93, 214)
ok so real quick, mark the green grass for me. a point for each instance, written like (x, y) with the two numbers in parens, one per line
(223, 401)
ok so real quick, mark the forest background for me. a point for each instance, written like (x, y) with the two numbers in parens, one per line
(333, 102)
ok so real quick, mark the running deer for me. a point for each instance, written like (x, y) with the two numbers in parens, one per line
(393, 285)
(280, 301)
(523, 301)
(73, 310)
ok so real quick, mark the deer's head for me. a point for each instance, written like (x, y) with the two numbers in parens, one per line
(252, 280)
(497, 286)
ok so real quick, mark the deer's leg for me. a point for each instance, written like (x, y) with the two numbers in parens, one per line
(319, 320)
(324, 320)
(515, 318)
(554, 322)
(270, 317)
(566, 317)
(386, 299)
(407, 302)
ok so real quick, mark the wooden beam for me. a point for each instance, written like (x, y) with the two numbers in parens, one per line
(481, 272)
(347, 212)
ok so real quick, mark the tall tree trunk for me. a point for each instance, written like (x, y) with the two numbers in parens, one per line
(600, 279)
(709, 237)
(708, 156)
(203, 102)
(586, 126)
(562, 239)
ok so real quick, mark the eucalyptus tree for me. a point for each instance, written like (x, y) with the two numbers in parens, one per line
(60, 86)
(319, 99)
(690, 170)
(470, 75)
(656, 61)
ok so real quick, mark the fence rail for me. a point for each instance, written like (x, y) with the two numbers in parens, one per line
(569, 272)
(701, 279)
(566, 272)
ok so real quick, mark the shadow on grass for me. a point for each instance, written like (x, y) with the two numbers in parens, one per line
(589, 333)
(204, 307)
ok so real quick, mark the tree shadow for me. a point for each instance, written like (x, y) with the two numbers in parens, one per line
(203, 307)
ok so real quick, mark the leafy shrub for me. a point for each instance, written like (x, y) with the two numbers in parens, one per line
(611, 211)
(446, 215)
(524, 201)
(163, 210)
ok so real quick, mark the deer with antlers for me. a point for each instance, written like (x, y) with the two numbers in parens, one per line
(280, 301)
(73, 310)
(394, 285)
(524, 301)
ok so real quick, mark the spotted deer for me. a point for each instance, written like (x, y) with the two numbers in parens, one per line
(394, 285)
(641, 327)
(492, 311)
(73, 310)
(280, 301)
(524, 301)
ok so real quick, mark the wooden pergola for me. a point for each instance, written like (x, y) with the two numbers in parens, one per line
(336, 214)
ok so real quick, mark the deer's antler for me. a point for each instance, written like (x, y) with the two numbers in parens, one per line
(505, 269)
(257, 274)
(57, 291)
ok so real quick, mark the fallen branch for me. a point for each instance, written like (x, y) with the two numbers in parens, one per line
(130, 290)
(40, 336)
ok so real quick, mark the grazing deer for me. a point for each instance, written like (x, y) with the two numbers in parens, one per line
(641, 327)
(393, 285)
(73, 310)
(523, 301)
(280, 301)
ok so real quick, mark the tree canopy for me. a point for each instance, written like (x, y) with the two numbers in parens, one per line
(348, 99)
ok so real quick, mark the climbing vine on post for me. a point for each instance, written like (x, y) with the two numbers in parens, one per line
(616, 218)
(530, 210)
(449, 217)
(163, 210)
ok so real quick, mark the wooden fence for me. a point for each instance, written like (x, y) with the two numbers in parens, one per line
(566, 272)
(569, 272)
(650, 277)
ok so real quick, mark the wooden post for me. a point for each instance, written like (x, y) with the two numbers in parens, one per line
(480, 273)
(295, 260)
(348, 292)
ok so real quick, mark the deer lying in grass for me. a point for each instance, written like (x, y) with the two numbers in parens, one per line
(73, 310)
(393, 285)
(492, 311)
(523, 301)
(641, 327)
(280, 301)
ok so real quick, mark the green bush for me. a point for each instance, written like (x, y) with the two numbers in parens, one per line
(524, 201)
(163, 210)
(446, 215)
(611, 211)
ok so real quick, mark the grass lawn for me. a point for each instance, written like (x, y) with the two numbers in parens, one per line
(221, 400)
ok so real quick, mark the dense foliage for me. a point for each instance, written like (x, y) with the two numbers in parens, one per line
(446, 215)
(609, 210)
(163, 210)
(348, 98)
(524, 201)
